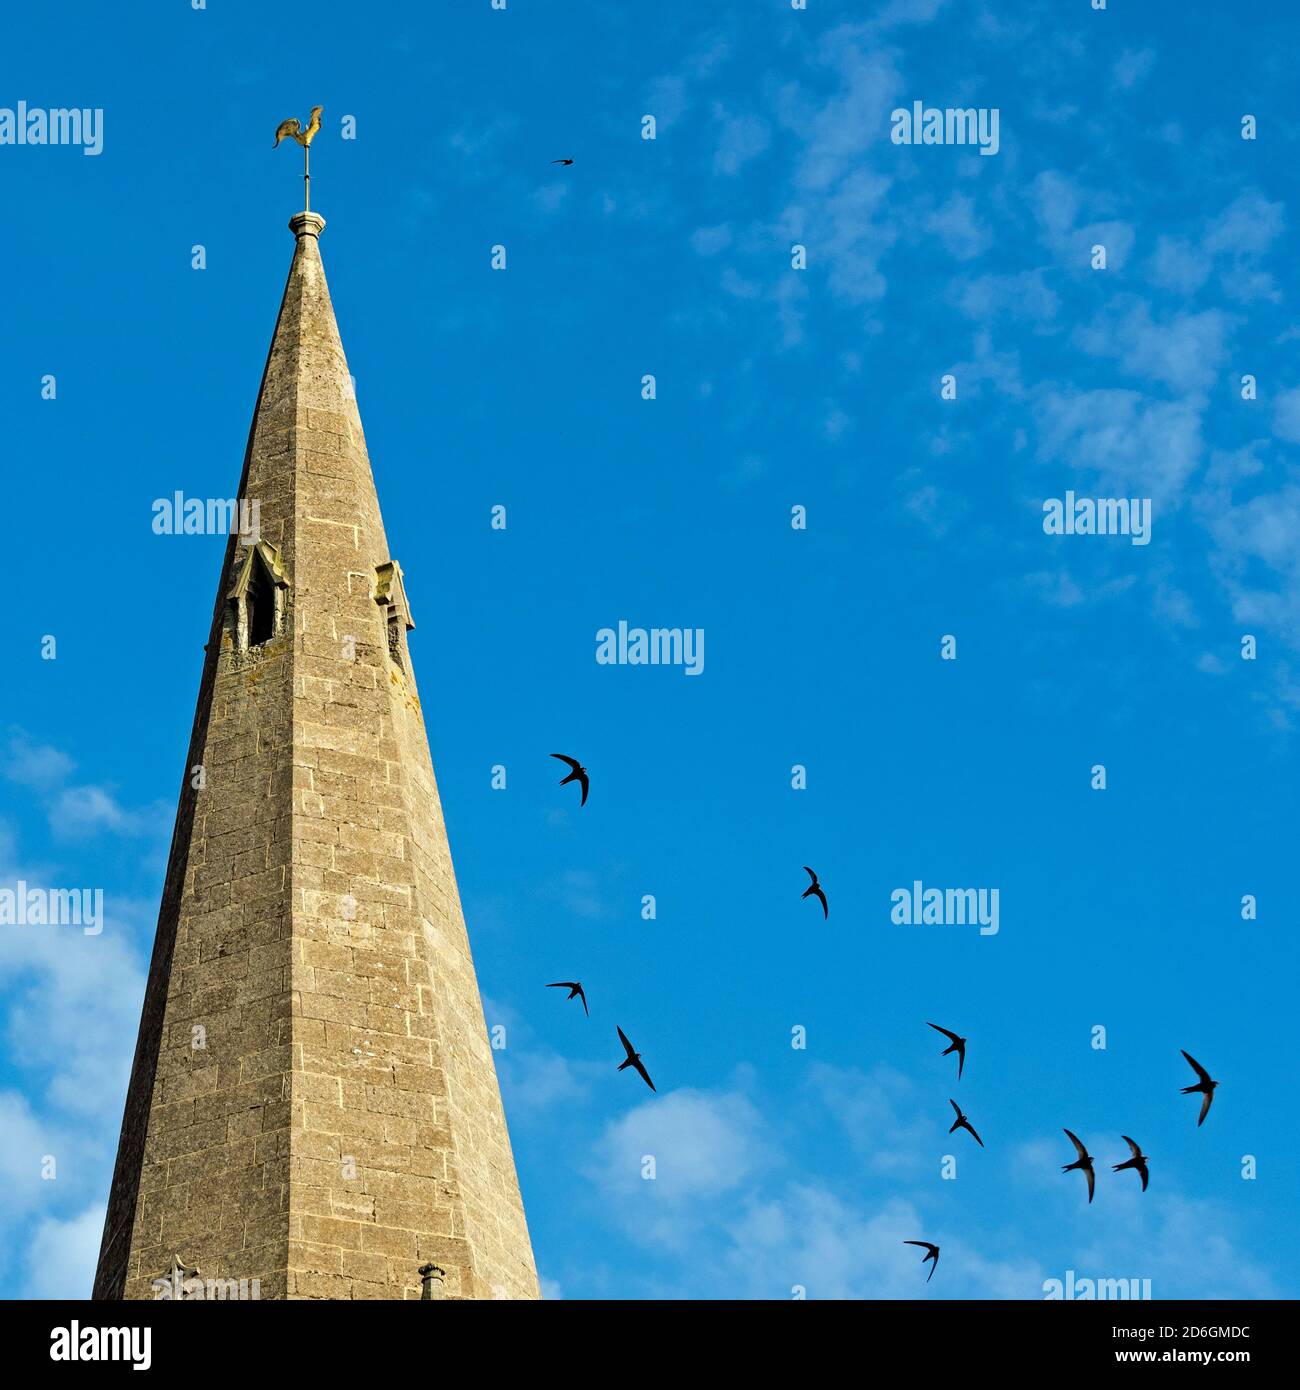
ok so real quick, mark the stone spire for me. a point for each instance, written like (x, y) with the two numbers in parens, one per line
(313, 1102)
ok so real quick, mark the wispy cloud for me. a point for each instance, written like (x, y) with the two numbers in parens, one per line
(1120, 441)
(732, 1212)
(75, 809)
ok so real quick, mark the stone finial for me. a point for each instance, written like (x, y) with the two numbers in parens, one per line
(307, 224)
(430, 1275)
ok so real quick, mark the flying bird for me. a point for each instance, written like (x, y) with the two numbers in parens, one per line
(961, 1122)
(575, 992)
(292, 130)
(1084, 1161)
(1203, 1085)
(561, 161)
(932, 1255)
(958, 1046)
(633, 1059)
(814, 889)
(1138, 1161)
(578, 774)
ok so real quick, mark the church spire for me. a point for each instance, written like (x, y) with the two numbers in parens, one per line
(313, 1102)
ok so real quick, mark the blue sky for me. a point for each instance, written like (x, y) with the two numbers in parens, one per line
(776, 388)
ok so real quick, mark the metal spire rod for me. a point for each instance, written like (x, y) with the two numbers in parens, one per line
(292, 129)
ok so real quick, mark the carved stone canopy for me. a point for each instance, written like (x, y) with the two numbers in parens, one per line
(390, 592)
(269, 557)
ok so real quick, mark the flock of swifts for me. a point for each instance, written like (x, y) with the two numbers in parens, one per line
(1083, 1163)
(1204, 1086)
(578, 774)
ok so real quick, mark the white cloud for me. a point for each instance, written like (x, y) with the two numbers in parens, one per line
(895, 13)
(1059, 589)
(1249, 226)
(708, 241)
(1266, 528)
(1057, 203)
(75, 810)
(850, 236)
(1025, 294)
(1188, 1248)
(1173, 606)
(986, 364)
(1185, 352)
(1286, 415)
(534, 1077)
(70, 1014)
(1132, 66)
(62, 1254)
(836, 423)
(737, 1229)
(72, 1007)
(1179, 265)
(742, 139)
(835, 1249)
(35, 765)
(669, 97)
(27, 1139)
(878, 1110)
(1122, 442)
(1056, 588)
(730, 1223)
(703, 1144)
(1257, 557)
(1232, 243)
(957, 226)
(550, 197)
(837, 202)
(809, 1238)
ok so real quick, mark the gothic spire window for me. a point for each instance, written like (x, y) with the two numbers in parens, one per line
(257, 600)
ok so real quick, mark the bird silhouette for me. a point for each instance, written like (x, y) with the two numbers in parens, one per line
(1203, 1085)
(961, 1122)
(293, 130)
(579, 774)
(633, 1059)
(814, 889)
(958, 1046)
(1084, 1162)
(575, 992)
(1138, 1161)
(932, 1255)
(561, 161)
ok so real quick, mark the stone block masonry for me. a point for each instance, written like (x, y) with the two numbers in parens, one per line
(313, 1102)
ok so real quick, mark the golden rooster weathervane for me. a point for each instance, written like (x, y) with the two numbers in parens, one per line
(304, 138)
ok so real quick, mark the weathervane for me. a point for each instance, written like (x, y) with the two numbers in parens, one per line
(292, 128)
